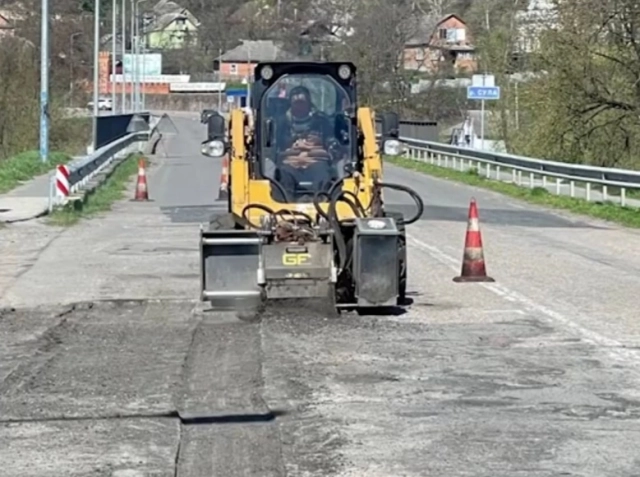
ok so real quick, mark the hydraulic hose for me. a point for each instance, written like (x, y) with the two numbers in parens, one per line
(414, 195)
(357, 207)
(248, 207)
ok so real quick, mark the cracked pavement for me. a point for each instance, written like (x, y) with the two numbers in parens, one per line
(109, 366)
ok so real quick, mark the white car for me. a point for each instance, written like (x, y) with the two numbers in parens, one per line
(104, 104)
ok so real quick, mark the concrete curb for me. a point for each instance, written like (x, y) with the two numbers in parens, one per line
(41, 213)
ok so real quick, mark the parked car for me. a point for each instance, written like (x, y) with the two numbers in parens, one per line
(104, 104)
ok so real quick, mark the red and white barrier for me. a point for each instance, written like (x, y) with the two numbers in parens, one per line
(62, 181)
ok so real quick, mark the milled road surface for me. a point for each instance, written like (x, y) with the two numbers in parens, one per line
(109, 366)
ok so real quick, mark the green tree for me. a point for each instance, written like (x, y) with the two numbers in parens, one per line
(586, 106)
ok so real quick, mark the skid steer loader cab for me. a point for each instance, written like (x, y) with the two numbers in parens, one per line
(305, 215)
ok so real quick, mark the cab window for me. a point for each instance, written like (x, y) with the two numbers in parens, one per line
(307, 134)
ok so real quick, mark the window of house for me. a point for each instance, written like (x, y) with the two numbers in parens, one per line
(453, 35)
(419, 55)
(233, 69)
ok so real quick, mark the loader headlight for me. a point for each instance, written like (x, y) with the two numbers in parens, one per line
(344, 72)
(213, 148)
(392, 147)
(267, 72)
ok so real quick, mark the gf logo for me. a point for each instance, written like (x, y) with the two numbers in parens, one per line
(295, 259)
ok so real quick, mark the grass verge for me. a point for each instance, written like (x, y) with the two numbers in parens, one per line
(71, 137)
(612, 212)
(101, 199)
(27, 165)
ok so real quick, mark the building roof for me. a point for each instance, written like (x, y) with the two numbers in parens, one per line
(421, 28)
(166, 12)
(255, 51)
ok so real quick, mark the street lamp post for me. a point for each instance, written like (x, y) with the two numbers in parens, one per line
(123, 84)
(138, 86)
(144, 72)
(114, 8)
(132, 55)
(44, 83)
(96, 69)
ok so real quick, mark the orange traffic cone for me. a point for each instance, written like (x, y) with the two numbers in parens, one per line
(141, 187)
(473, 267)
(223, 192)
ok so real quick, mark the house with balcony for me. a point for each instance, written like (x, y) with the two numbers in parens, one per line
(540, 16)
(442, 45)
(170, 26)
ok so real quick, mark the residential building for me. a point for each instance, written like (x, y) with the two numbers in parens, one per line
(540, 15)
(170, 26)
(444, 45)
(239, 62)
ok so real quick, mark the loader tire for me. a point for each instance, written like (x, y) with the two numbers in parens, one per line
(402, 255)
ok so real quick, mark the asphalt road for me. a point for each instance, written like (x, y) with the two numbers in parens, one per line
(109, 366)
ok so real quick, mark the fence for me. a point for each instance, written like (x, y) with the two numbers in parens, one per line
(575, 180)
(115, 141)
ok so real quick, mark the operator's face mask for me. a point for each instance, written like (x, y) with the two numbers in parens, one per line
(300, 106)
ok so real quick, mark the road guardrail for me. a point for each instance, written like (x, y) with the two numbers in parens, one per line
(80, 173)
(511, 168)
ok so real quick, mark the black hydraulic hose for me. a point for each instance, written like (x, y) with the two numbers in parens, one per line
(357, 204)
(337, 231)
(328, 194)
(299, 213)
(414, 195)
(285, 196)
(248, 207)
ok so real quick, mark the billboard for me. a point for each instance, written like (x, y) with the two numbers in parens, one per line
(150, 63)
(197, 87)
(151, 79)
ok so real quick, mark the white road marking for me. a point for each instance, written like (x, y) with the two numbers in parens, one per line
(614, 348)
(498, 312)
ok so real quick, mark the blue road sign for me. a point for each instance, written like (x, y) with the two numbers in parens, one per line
(236, 92)
(483, 92)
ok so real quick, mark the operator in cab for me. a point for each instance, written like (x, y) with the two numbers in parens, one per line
(306, 159)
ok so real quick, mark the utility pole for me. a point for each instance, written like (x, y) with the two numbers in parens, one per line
(96, 69)
(143, 90)
(123, 84)
(132, 63)
(219, 81)
(44, 83)
(114, 19)
(138, 76)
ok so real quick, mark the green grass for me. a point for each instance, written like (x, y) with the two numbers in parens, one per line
(102, 198)
(612, 212)
(25, 166)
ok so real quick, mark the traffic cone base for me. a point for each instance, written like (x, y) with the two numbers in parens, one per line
(473, 266)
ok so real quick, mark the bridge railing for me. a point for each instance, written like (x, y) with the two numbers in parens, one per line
(115, 142)
(581, 180)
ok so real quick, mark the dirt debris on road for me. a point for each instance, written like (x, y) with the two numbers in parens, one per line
(109, 366)
(157, 387)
